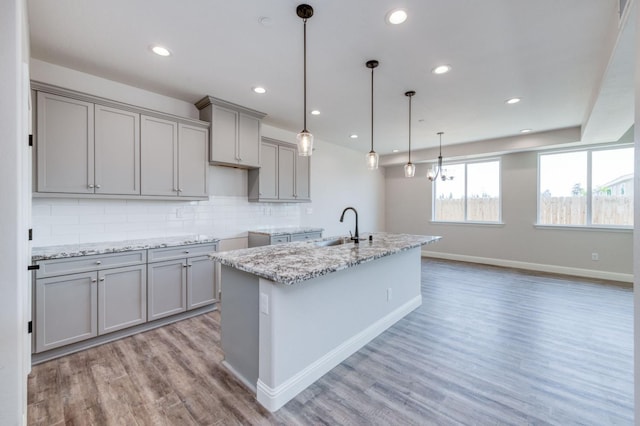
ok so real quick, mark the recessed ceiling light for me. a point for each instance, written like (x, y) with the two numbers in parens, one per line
(259, 89)
(512, 101)
(396, 16)
(353, 136)
(396, 150)
(441, 69)
(526, 131)
(161, 51)
(315, 112)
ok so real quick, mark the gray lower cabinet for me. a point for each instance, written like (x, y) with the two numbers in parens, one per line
(82, 297)
(66, 310)
(180, 279)
(122, 298)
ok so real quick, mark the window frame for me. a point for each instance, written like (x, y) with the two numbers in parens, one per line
(466, 177)
(589, 189)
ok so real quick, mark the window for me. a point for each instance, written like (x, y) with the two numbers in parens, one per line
(473, 195)
(586, 188)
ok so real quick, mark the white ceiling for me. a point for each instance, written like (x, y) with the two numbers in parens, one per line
(550, 53)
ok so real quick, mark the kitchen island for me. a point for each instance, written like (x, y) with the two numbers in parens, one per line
(292, 312)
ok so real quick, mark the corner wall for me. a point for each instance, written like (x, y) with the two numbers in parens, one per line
(516, 242)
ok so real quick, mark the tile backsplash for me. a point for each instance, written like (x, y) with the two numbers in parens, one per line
(70, 221)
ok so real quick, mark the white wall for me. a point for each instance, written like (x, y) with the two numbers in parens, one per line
(14, 250)
(515, 243)
(636, 239)
(339, 178)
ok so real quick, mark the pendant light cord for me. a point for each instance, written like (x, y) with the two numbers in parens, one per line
(304, 32)
(372, 109)
(410, 128)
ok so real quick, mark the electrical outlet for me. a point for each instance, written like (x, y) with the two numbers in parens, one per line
(309, 210)
(389, 294)
(595, 256)
(264, 303)
(179, 213)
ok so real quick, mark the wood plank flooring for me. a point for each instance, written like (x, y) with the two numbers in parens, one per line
(489, 346)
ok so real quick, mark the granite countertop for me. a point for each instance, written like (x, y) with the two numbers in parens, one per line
(285, 230)
(86, 249)
(293, 263)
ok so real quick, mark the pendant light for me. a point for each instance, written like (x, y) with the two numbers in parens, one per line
(409, 168)
(434, 173)
(372, 156)
(305, 138)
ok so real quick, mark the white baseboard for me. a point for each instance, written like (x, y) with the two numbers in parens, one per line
(274, 398)
(578, 272)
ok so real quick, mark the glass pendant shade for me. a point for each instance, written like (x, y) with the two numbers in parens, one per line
(305, 143)
(409, 170)
(431, 174)
(372, 160)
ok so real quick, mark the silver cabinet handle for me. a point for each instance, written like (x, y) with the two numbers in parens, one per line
(184, 265)
(190, 265)
(93, 280)
(179, 189)
(186, 251)
(98, 262)
(98, 186)
(102, 279)
(91, 186)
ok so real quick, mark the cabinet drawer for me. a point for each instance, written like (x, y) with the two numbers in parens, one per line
(169, 253)
(306, 236)
(54, 267)
(280, 239)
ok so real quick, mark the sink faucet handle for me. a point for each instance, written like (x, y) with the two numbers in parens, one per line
(350, 235)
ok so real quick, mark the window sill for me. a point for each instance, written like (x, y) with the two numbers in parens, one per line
(597, 228)
(446, 222)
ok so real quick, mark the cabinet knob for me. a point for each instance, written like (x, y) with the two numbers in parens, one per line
(93, 280)
(179, 189)
(102, 279)
(184, 265)
(98, 186)
(190, 265)
(90, 186)
(98, 262)
(186, 252)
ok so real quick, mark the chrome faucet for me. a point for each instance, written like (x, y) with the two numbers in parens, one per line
(355, 238)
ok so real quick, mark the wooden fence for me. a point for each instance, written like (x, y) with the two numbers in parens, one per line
(607, 210)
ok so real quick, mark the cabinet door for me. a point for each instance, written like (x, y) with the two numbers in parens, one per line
(64, 145)
(224, 136)
(269, 172)
(122, 298)
(200, 282)
(303, 190)
(286, 172)
(66, 310)
(117, 151)
(159, 156)
(167, 292)
(192, 161)
(249, 141)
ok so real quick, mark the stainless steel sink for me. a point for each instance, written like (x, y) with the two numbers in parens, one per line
(330, 243)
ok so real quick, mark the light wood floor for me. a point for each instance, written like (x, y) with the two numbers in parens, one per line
(488, 346)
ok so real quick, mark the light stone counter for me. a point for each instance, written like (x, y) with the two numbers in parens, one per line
(86, 249)
(301, 261)
(273, 232)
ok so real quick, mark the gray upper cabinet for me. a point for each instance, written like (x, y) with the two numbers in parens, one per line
(159, 156)
(287, 172)
(91, 146)
(235, 132)
(173, 158)
(283, 176)
(192, 170)
(117, 151)
(64, 145)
